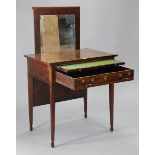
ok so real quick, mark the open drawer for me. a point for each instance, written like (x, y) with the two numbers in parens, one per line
(94, 77)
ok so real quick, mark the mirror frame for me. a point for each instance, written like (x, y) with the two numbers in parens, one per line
(37, 11)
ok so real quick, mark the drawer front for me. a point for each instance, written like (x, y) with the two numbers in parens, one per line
(95, 80)
(101, 79)
(38, 70)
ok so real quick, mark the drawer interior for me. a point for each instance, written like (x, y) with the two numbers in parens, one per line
(94, 77)
(96, 71)
(83, 66)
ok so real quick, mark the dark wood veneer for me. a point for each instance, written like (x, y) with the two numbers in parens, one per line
(41, 97)
(42, 86)
(94, 77)
(48, 85)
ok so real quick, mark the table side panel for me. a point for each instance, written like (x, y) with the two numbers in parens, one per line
(62, 93)
(39, 70)
(40, 93)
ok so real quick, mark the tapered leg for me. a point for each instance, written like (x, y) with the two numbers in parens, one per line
(111, 104)
(52, 112)
(30, 92)
(85, 104)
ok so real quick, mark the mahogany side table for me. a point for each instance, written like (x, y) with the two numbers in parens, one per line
(66, 75)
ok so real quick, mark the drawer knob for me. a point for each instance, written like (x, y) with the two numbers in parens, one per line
(129, 73)
(105, 77)
(92, 80)
(120, 76)
(89, 84)
(83, 81)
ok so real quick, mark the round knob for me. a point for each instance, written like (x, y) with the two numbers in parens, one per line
(105, 77)
(120, 75)
(129, 73)
(83, 81)
(92, 80)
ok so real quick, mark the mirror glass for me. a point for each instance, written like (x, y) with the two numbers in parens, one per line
(57, 33)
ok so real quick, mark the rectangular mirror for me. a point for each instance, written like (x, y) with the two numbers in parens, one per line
(57, 33)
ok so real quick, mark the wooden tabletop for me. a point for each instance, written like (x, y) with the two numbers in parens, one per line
(70, 56)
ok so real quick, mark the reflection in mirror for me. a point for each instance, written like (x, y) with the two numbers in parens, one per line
(57, 32)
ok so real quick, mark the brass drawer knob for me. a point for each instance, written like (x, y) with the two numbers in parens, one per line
(89, 84)
(83, 81)
(92, 80)
(129, 73)
(120, 76)
(105, 77)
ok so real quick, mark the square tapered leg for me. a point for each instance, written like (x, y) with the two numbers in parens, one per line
(111, 105)
(30, 92)
(85, 104)
(52, 113)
